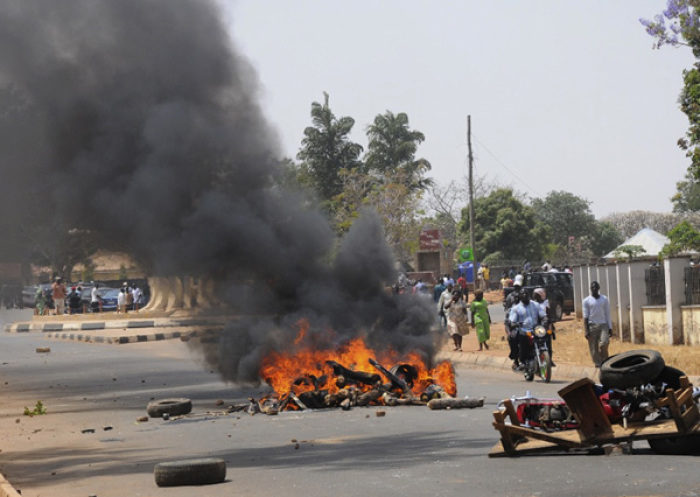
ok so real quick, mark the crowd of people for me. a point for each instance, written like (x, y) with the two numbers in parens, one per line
(455, 310)
(65, 300)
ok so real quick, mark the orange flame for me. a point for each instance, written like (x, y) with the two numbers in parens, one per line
(305, 367)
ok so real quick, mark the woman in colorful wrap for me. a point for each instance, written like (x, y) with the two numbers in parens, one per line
(481, 319)
(457, 319)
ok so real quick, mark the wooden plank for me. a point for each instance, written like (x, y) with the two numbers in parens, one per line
(512, 413)
(690, 418)
(527, 447)
(566, 438)
(507, 440)
(587, 409)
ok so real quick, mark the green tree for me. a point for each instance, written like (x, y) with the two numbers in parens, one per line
(682, 238)
(683, 29)
(604, 238)
(327, 150)
(687, 197)
(566, 215)
(392, 151)
(505, 228)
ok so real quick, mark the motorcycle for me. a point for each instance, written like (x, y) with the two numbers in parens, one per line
(541, 361)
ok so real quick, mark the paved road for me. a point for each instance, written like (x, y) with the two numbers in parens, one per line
(411, 451)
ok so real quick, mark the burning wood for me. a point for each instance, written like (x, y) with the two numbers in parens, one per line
(308, 378)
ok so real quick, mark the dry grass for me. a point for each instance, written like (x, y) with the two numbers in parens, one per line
(571, 347)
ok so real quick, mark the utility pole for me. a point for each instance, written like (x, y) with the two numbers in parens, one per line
(471, 191)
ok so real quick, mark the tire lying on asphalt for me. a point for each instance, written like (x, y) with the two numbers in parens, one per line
(631, 368)
(676, 446)
(204, 471)
(171, 407)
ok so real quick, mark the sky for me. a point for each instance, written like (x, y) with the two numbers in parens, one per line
(563, 95)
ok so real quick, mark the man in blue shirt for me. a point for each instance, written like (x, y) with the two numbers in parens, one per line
(525, 316)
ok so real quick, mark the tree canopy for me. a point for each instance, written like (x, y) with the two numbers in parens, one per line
(683, 29)
(327, 150)
(505, 228)
(566, 215)
(392, 151)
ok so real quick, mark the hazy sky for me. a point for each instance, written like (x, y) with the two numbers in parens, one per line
(563, 94)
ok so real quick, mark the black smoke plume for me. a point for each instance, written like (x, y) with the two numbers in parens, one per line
(139, 120)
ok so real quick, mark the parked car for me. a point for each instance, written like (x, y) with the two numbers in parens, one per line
(109, 298)
(558, 286)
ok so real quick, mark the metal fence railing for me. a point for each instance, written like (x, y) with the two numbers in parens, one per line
(656, 285)
(692, 285)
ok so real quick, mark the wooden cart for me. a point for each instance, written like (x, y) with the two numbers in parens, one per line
(594, 428)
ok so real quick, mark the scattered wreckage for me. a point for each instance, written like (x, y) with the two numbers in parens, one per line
(639, 398)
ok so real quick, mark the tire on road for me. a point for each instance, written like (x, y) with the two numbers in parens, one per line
(676, 446)
(205, 471)
(171, 407)
(631, 368)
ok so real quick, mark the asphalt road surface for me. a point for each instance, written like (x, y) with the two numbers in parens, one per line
(412, 451)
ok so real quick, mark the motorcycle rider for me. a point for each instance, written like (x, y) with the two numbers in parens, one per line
(512, 332)
(524, 317)
(539, 295)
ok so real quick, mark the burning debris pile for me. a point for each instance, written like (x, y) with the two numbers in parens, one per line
(308, 378)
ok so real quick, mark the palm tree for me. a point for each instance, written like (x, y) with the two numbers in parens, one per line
(392, 150)
(327, 150)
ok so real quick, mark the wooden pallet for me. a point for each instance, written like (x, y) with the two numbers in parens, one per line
(594, 428)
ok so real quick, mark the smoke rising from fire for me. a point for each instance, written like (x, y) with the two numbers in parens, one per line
(139, 119)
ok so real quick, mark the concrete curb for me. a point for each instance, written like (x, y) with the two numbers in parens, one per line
(26, 327)
(139, 338)
(564, 371)
(6, 489)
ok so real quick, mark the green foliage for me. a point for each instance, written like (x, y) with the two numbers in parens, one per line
(687, 197)
(38, 410)
(630, 251)
(679, 25)
(505, 225)
(604, 238)
(327, 150)
(566, 215)
(682, 238)
(392, 149)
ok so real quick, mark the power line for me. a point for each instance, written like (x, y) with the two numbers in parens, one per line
(531, 189)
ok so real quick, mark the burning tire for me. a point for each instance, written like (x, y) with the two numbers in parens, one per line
(190, 472)
(631, 368)
(171, 407)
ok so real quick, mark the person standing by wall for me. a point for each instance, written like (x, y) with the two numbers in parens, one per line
(597, 324)
(487, 278)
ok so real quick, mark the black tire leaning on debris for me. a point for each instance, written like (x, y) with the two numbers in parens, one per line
(631, 368)
(671, 376)
(171, 407)
(204, 471)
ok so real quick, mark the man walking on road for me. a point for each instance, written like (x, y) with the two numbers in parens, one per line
(597, 323)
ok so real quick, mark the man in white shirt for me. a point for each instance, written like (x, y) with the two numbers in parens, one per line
(597, 323)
